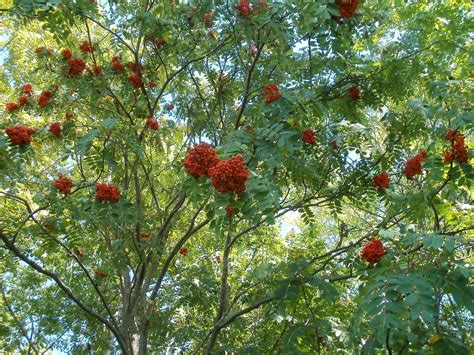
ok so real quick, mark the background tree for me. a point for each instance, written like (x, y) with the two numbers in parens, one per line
(157, 153)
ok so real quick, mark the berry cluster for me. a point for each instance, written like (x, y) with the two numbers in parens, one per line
(373, 251)
(152, 123)
(308, 136)
(145, 235)
(183, 251)
(63, 184)
(134, 67)
(135, 80)
(230, 176)
(11, 106)
(76, 66)
(27, 89)
(200, 159)
(158, 43)
(86, 47)
(55, 129)
(106, 192)
(67, 53)
(20, 134)
(44, 98)
(271, 93)
(354, 93)
(229, 210)
(100, 274)
(347, 8)
(458, 150)
(413, 165)
(244, 9)
(170, 106)
(381, 181)
(117, 65)
(208, 19)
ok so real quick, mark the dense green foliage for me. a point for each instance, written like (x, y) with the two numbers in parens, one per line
(284, 273)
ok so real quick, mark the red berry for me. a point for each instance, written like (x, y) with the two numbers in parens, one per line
(373, 251)
(200, 159)
(23, 100)
(347, 8)
(308, 136)
(354, 93)
(11, 106)
(116, 65)
(153, 124)
(230, 176)
(27, 89)
(86, 47)
(67, 53)
(135, 80)
(55, 129)
(271, 93)
(106, 192)
(20, 134)
(145, 235)
(63, 184)
(229, 210)
(183, 251)
(413, 165)
(381, 181)
(243, 8)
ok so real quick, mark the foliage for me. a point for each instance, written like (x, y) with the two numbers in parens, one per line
(316, 104)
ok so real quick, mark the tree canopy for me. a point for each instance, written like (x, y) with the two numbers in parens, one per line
(249, 177)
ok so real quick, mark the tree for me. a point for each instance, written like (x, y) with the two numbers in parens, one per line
(153, 153)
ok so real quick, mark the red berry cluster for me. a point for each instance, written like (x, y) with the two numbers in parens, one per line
(67, 53)
(152, 123)
(208, 19)
(134, 67)
(145, 235)
(55, 129)
(230, 176)
(354, 93)
(94, 71)
(100, 274)
(106, 192)
(381, 181)
(244, 9)
(347, 8)
(86, 47)
(23, 100)
(76, 66)
(42, 51)
(271, 93)
(151, 85)
(117, 65)
(373, 251)
(63, 184)
(44, 98)
(27, 89)
(20, 134)
(308, 136)
(183, 251)
(413, 165)
(458, 150)
(229, 210)
(11, 106)
(158, 43)
(135, 80)
(200, 159)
